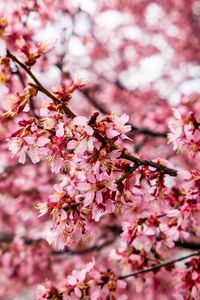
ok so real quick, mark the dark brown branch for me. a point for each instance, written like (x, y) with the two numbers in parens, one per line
(8, 170)
(142, 162)
(126, 174)
(138, 147)
(135, 129)
(159, 266)
(187, 245)
(39, 86)
(71, 114)
(8, 238)
(83, 251)
(149, 132)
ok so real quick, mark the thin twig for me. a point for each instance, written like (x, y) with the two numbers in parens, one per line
(39, 86)
(159, 266)
(142, 162)
(9, 238)
(134, 128)
(87, 250)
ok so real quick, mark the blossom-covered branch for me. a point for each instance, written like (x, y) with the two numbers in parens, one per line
(90, 198)
(39, 86)
(135, 129)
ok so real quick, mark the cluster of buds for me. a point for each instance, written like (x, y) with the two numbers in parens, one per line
(32, 53)
(19, 103)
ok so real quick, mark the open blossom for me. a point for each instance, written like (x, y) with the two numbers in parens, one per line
(31, 145)
(62, 93)
(185, 133)
(85, 140)
(116, 126)
(134, 207)
(78, 82)
(99, 192)
(32, 51)
(19, 103)
(86, 281)
(79, 79)
(77, 278)
(153, 232)
(49, 290)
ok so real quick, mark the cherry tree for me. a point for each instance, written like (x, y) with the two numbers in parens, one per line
(100, 143)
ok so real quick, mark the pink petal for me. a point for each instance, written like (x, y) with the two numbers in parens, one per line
(99, 197)
(42, 141)
(81, 275)
(82, 147)
(33, 154)
(83, 186)
(121, 284)
(71, 144)
(60, 131)
(81, 121)
(177, 114)
(91, 178)
(89, 130)
(30, 140)
(77, 292)
(71, 280)
(124, 118)
(22, 156)
(110, 133)
(2, 47)
(89, 198)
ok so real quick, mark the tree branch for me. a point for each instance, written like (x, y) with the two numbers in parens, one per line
(159, 266)
(142, 162)
(71, 114)
(39, 86)
(135, 129)
(8, 238)
(83, 251)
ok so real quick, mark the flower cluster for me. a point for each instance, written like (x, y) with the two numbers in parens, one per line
(189, 280)
(185, 133)
(28, 139)
(115, 203)
(88, 283)
(18, 103)
(32, 53)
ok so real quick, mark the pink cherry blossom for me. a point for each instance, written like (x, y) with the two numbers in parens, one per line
(94, 203)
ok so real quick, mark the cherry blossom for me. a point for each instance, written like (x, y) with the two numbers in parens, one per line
(99, 177)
